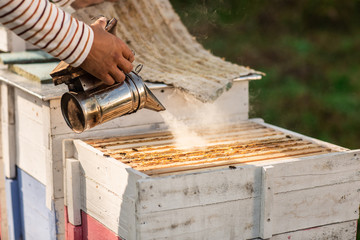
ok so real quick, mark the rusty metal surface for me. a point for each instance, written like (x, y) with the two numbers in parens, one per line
(169, 53)
(241, 143)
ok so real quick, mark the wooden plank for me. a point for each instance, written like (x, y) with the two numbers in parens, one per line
(343, 231)
(210, 187)
(13, 208)
(318, 206)
(226, 220)
(38, 221)
(108, 189)
(99, 167)
(26, 57)
(315, 171)
(113, 211)
(32, 138)
(73, 201)
(72, 232)
(58, 208)
(93, 229)
(8, 134)
(34, 71)
(267, 194)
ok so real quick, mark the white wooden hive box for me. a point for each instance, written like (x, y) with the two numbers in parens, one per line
(256, 180)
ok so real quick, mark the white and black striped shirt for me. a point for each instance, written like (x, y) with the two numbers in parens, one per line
(48, 27)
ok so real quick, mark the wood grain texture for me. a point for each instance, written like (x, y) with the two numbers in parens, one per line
(73, 200)
(343, 231)
(267, 201)
(32, 138)
(8, 130)
(163, 44)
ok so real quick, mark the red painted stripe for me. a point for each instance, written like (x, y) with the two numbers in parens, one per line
(71, 232)
(90, 229)
(94, 230)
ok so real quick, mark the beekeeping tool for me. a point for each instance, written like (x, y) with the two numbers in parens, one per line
(89, 102)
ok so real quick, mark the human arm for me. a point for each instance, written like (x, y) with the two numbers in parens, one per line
(58, 33)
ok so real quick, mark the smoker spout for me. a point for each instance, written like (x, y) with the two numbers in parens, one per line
(152, 102)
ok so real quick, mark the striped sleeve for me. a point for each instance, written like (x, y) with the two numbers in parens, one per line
(48, 27)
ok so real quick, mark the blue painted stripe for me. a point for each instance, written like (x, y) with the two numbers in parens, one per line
(38, 222)
(13, 209)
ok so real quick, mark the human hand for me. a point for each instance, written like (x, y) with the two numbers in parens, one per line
(84, 3)
(109, 57)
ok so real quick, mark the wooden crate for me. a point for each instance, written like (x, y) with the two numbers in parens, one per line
(313, 196)
(33, 130)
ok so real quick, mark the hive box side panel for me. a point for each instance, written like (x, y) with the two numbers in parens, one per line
(343, 231)
(33, 133)
(202, 188)
(315, 207)
(108, 190)
(227, 220)
(223, 204)
(316, 191)
(315, 171)
(38, 222)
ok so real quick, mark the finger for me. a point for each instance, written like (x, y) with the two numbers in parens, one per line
(127, 53)
(108, 79)
(117, 75)
(125, 65)
(102, 21)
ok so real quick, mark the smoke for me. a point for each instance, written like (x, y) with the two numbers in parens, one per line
(192, 130)
(184, 137)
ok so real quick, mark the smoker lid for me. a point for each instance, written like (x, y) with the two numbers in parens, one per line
(169, 53)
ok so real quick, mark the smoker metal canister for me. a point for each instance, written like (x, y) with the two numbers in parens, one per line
(83, 110)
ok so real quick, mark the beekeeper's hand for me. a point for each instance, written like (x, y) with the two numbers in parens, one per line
(109, 56)
(84, 3)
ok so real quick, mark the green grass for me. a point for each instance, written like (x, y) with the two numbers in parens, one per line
(310, 51)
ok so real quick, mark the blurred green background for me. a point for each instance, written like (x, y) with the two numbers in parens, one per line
(309, 50)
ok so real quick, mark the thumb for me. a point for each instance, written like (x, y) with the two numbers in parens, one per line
(102, 21)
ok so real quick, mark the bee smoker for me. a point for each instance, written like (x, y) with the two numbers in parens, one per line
(89, 102)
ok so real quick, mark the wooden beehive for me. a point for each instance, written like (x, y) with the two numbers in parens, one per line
(33, 130)
(256, 181)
